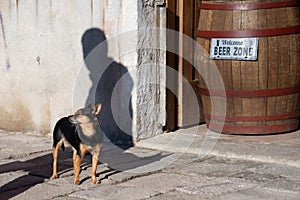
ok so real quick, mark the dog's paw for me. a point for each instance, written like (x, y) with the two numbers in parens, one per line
(54, 176)
(77, 182)
(95, 181)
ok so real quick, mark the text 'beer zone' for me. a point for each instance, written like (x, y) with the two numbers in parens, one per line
(234, 48)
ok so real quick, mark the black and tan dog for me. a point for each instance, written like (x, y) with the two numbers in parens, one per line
(83, 132)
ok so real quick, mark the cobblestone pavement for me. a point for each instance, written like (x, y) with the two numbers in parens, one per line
(236, 168)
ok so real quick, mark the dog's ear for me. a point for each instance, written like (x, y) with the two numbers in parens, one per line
(97, 108)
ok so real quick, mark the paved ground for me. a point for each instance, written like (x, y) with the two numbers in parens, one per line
(188, 164)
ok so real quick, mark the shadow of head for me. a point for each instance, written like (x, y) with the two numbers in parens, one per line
(91, 39)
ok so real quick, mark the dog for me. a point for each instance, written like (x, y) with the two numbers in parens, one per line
(83, 132)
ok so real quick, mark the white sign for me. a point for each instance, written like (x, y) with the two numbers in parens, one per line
(234, 48)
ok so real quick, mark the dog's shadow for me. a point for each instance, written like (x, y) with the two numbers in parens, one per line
(23, 175)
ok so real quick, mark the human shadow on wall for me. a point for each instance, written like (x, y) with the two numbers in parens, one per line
(111, 86)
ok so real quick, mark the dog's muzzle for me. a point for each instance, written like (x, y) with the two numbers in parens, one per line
(72, 119)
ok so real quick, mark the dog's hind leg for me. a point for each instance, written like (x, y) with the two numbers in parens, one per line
(55, 155)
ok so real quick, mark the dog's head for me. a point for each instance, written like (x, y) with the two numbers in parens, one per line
(86, 114)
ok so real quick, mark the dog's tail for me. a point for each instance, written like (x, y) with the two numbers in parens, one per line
(57, 136)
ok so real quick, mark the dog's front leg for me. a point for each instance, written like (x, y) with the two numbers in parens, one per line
(95, 160)
(94, 168)
(76, 163)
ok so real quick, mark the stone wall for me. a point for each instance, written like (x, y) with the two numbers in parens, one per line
(151, 69)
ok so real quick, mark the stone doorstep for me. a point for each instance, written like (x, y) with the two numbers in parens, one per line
(195, 140)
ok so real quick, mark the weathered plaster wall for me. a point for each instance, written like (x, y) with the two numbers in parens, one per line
(41, 55)
(39, 61)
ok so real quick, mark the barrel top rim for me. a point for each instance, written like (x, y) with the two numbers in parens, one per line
(246, 5)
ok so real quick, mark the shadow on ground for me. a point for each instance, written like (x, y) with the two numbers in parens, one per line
(23, 175)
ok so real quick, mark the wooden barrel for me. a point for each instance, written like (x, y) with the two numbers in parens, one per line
(263, 95)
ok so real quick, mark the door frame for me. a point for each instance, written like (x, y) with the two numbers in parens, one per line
(182, 16)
